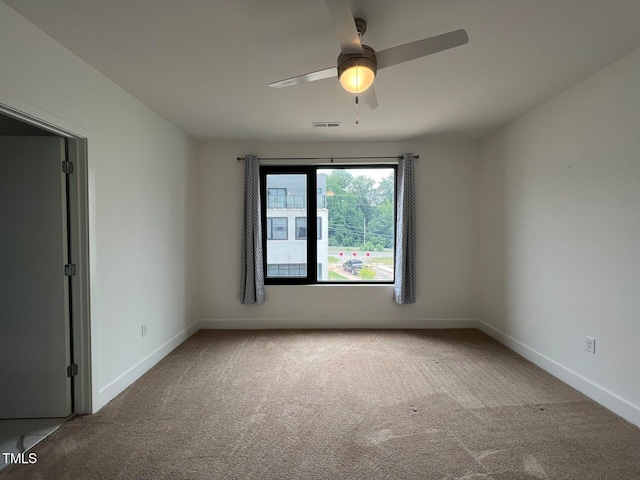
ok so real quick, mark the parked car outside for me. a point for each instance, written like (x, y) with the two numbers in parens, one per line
(353, 266)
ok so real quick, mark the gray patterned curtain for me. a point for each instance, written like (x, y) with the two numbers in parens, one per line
(405, 267)
(252, 272)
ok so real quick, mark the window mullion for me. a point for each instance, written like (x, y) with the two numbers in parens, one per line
(263, 217)
(312, 243)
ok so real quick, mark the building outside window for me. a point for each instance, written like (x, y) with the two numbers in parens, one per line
(286, 208)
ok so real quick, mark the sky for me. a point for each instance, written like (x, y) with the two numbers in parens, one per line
(376, 173)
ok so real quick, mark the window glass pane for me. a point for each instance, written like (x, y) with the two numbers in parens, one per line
(287, 270)
(276, 197)
(356, 224)
(278, 228)
(301, 228)
(286, 220)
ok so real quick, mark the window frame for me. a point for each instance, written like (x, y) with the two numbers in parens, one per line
(311, 172)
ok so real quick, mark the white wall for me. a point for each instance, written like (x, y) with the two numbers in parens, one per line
(560, 235)
(140, 172)
(447, 202)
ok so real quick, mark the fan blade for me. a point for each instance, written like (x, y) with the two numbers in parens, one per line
(368, 99)
(309, 77)
(409, 51)
(345, 26)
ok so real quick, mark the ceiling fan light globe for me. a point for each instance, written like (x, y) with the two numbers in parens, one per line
(357, 71)
(357, 79)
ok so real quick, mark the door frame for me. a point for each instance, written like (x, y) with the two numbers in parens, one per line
(78, 209)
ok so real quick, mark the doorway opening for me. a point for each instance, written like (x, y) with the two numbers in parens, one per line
(45, 344)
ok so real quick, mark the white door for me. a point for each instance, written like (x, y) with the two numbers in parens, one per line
(34, 291)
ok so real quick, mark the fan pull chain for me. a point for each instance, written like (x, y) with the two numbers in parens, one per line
(357, 116)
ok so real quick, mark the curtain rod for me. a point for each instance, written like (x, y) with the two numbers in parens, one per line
(329, 158)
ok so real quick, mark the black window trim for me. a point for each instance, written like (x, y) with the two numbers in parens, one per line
(311, 172)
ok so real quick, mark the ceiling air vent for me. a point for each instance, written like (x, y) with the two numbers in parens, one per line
(325, 124)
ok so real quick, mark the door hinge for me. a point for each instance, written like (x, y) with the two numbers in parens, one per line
(70, 270)
(67, 166)
(72, 370)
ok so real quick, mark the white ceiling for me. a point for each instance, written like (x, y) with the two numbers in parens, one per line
(205, 64)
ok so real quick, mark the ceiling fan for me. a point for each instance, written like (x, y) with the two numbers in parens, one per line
(358, 64)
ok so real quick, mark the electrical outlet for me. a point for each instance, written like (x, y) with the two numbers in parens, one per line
(145, 329)
(590, 344)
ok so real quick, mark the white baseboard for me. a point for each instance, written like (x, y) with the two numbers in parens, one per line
(113, 389)
(335, 323)
(604, 397)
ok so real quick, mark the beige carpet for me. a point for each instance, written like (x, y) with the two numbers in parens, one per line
(403, 404)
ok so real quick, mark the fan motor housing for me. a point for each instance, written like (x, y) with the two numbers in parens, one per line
(366, 58)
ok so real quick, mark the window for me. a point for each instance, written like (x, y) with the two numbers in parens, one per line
(290, 269)
(276, 197)
(301, 228)
(354, 230)
(287, 270)
(277, 228)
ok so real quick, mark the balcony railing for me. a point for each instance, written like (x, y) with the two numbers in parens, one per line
(294, 201)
